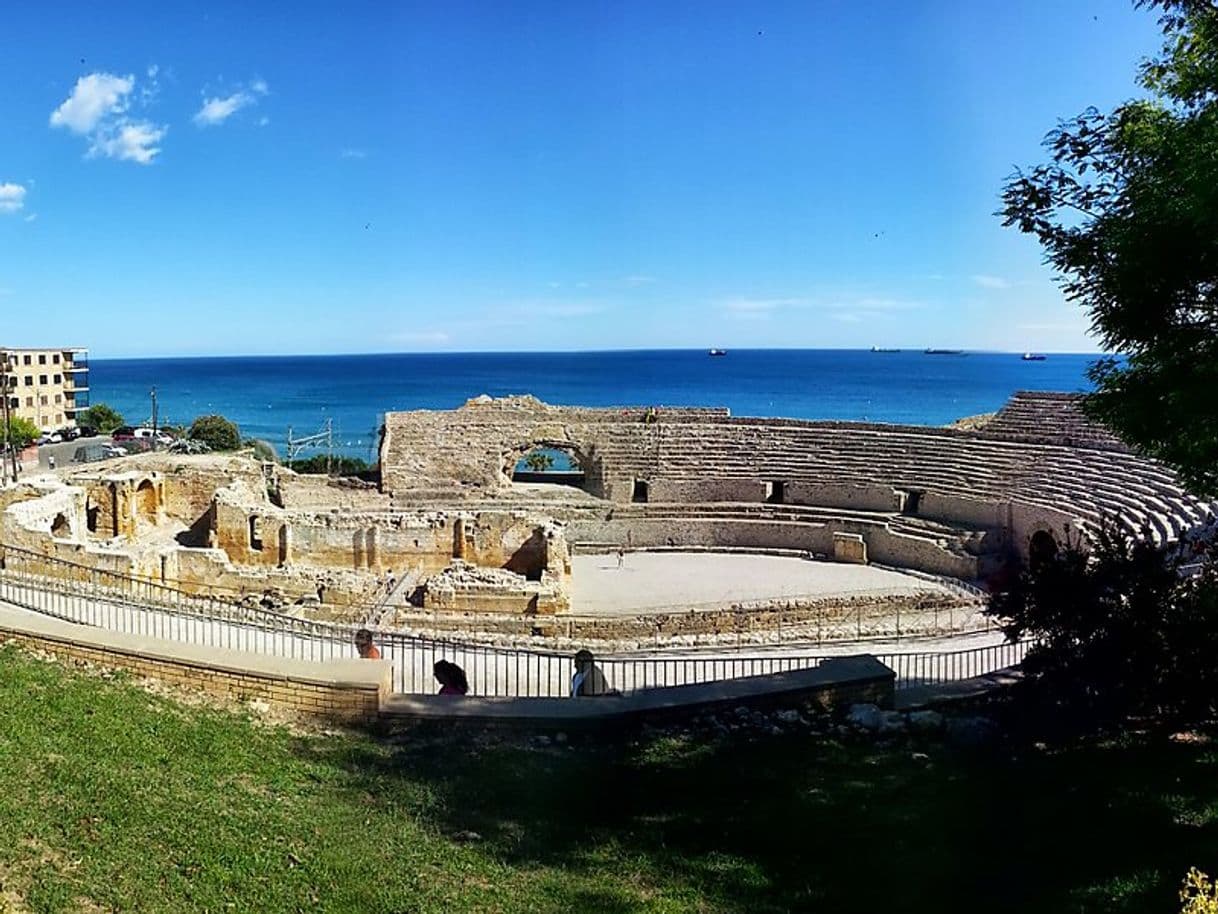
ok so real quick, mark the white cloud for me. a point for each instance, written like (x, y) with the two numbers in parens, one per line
(263, 121)
(97, 109)
(153, 70)
(219, 109)
(992, 282)
(421, 337)
(759, 305)
(638, 280)
(350, 153)
(130, 141)
(31, 217)
(12, 197)
(94, 98)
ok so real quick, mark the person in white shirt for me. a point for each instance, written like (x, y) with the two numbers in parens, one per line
(588, 680)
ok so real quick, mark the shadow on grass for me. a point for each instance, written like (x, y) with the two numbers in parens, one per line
(796, 822)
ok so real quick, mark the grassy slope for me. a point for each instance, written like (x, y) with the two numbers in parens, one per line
(116, 798)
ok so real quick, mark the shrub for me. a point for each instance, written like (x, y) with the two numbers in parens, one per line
(1199, 894)
(1122, 629)
(218, 433)
(263, 450)
(101, 417)
(339, 466)
(21, 432)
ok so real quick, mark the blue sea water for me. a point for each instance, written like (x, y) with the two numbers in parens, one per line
(266, 395)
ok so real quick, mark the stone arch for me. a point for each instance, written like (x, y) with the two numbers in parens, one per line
(579, 472)
(147, 501)
(92, 513)
(61, 527)
(1042, 547)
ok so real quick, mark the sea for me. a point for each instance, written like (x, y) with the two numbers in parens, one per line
(268, 395)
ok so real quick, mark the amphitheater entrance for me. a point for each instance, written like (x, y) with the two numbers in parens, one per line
(550, 464)
(1042, 548)
(146, 501)
(61, 527)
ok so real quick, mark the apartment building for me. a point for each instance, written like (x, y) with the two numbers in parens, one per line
(46, 386)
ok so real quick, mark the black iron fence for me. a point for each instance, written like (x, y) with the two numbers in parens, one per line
(116, 601)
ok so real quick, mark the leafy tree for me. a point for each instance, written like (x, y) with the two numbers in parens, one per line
(21, 432)
(538, 461)
(1122, 628)
(1127, 214)
(218, 433)
(101, 417)
(338, 466)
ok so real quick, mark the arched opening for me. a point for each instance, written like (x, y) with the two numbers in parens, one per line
(549, 463)
(61, 528)
(92, 510)
(1042, 548)
(146, 501)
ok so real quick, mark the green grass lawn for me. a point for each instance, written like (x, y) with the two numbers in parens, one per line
(115, 799)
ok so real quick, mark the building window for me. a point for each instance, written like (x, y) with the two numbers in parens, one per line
(29, 380)
(42, 379)
(42, 359)
(26, 360)
(29, 401)
(58, 379)
(55, 358)
(58, 398)
(43, 400)
(14, 402)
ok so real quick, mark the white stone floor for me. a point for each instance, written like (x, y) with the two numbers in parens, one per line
(652, 581)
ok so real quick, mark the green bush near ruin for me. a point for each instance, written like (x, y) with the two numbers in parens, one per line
(335, 466)
(22, 432)
(101, 417)
(218, 433)
(112, 798)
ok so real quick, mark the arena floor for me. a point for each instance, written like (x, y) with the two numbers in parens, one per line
(656, 581)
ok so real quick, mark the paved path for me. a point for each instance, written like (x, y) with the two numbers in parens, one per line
(494, 671)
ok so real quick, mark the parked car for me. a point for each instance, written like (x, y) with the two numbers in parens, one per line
(51, 438)
(123, 433)
(80, 431)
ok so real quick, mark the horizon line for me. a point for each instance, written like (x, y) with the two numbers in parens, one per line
(673, 349)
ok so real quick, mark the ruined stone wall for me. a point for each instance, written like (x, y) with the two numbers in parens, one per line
(699, 456)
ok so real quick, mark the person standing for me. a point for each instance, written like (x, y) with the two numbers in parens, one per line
(365, 646)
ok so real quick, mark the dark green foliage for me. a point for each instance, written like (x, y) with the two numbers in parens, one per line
(1122, 631)
(1127, 212)
(216, 432)
(101, 417)
(21, 432)
(538, 461)
(338, 466)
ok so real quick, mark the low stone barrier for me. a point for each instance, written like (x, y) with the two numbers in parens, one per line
(834, 685)
(338, 690)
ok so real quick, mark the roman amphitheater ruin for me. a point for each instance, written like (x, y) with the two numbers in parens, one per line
(671, 528)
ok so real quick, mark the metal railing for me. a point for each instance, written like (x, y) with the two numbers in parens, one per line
(116, 602)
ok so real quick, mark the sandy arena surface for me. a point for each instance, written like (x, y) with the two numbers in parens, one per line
(659, 580)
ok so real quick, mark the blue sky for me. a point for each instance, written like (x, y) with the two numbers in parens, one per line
(226, 178)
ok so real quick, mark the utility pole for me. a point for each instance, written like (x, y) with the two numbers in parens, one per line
(154, 417)
(329, 445)
(8, 453)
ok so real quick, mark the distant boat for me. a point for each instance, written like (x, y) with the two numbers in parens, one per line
(943, 351)
(717, 352)
(1033, 357)
(881, 349)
